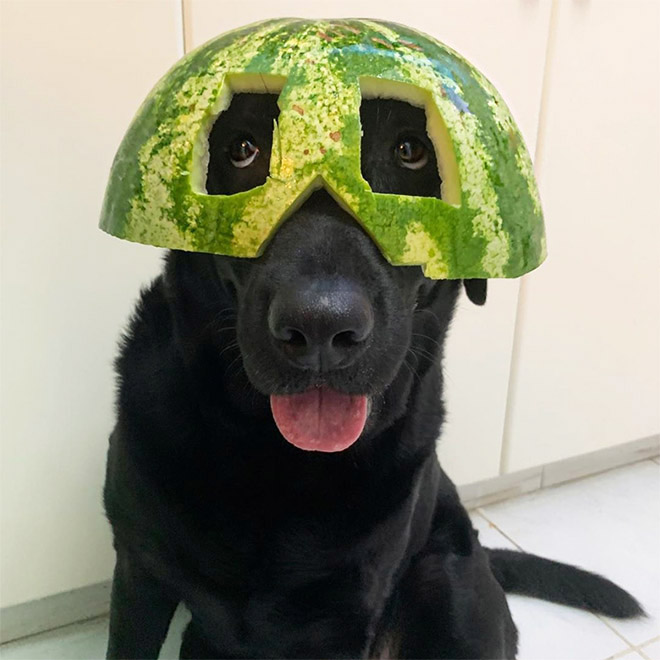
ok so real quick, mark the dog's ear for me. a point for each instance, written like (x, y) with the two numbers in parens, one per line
(476, 290)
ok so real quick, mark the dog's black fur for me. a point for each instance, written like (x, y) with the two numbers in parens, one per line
(279, 552)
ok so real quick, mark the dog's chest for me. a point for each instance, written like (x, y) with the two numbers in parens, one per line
(298, 584)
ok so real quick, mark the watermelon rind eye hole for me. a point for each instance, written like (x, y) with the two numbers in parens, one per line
(238, 124)
(396, 154)
(406, 147)
(240, 143)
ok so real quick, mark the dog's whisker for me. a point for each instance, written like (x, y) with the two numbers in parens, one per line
(433, 359)
(228, 347)
(426, 337)
(412, 370)
(417, 351)
(226, 309)
(421, 310)
(238, 359)
(224, 315)
(223, 321)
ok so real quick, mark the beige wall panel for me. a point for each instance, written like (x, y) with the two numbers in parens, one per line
(507, 41)
(587, 370)
(73, 74)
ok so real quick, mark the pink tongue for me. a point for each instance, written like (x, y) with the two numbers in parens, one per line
(320, 419)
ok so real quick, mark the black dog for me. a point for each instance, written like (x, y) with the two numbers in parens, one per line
(277, 551)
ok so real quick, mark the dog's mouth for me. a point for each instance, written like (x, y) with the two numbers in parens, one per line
(321, 418)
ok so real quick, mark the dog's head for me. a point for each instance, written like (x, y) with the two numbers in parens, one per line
(326, 328)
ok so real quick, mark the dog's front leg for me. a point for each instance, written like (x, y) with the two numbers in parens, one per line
(140, 611)
(452, 607)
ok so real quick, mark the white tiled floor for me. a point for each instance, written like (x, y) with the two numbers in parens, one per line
(609, 523)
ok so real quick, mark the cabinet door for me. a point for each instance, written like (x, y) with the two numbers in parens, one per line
(587, 365)
(507, 41)
(73, 75)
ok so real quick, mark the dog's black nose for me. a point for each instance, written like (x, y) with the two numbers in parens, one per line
(321, 324)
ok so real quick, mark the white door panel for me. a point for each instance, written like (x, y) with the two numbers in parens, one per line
(587, 370)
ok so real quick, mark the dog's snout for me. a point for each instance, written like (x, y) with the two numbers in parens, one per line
(321, 325)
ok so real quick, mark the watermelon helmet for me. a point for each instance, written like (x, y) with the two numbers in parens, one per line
(488, 223)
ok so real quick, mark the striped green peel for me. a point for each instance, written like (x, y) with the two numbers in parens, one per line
(488, 223)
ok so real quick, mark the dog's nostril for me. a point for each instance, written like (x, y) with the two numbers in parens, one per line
(345, 339)
(294, 337)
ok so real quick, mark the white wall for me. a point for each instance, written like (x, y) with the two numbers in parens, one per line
(73, 73)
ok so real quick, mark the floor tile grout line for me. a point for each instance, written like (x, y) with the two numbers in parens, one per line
(640, 647)
(615, 631)
(621, 654)
(480, 511)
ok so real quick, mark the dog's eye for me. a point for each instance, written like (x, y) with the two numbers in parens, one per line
(411, 153)
(239, 144)
(397, 155)
(243, 151)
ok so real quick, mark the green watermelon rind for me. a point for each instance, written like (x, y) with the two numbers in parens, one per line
(493, 226)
